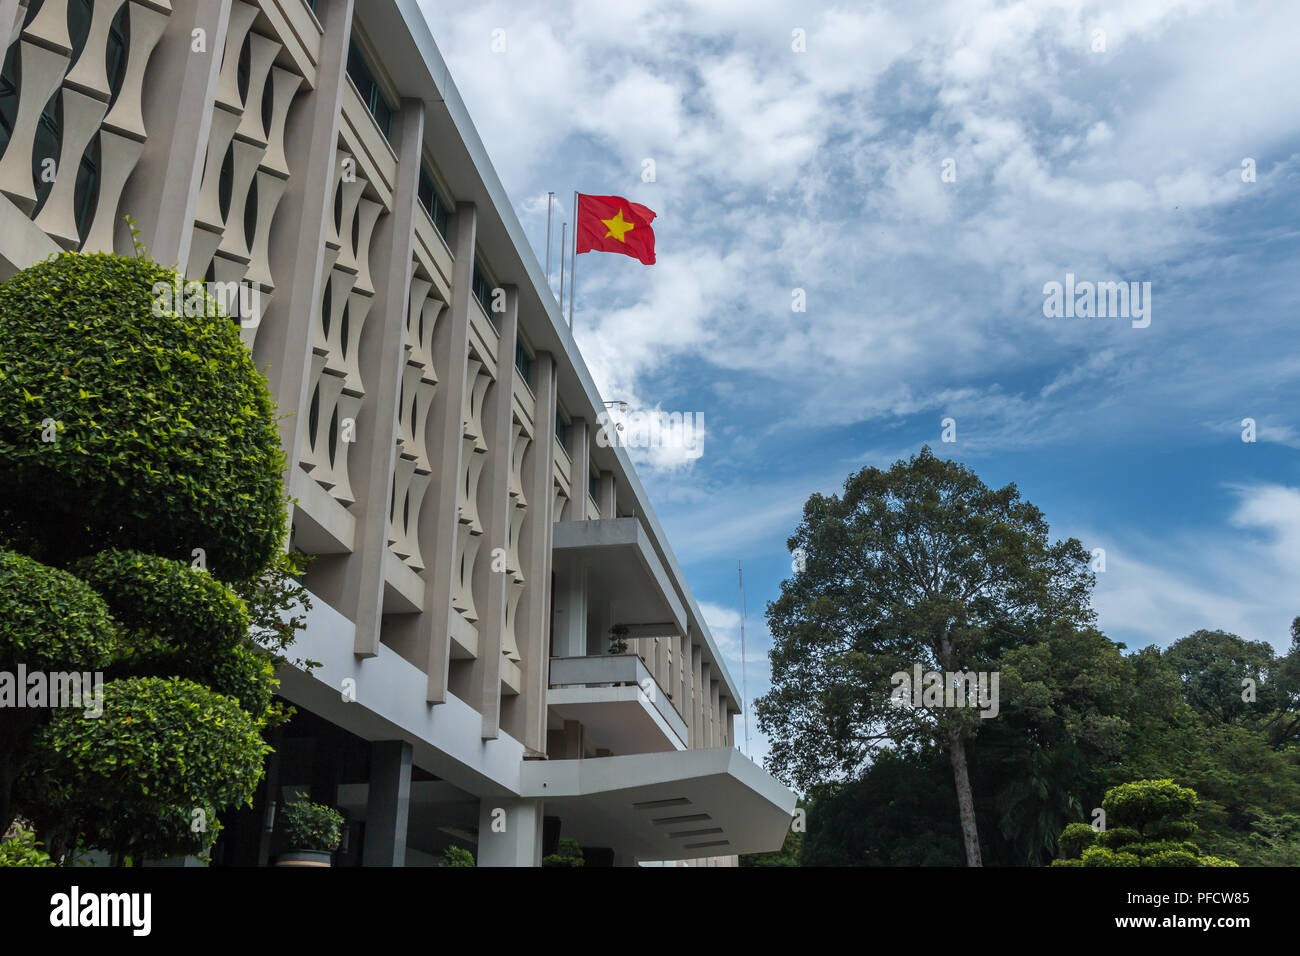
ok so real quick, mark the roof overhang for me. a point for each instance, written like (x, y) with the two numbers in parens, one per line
(665, 806)
(622, 565)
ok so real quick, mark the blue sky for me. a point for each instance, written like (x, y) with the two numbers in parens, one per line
(1103, 140)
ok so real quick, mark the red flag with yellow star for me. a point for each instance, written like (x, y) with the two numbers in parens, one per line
(613, 224)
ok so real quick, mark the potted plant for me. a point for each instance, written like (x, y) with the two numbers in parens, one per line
(618, 639)
(312, 832)
(567, 853)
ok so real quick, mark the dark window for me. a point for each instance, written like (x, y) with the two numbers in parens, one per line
(439, 209)
(562, 430)
(369, 89)
(593, 486)
(524, 362)
(482, 290)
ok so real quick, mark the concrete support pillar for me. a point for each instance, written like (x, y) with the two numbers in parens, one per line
(446, 429)
(533, 628)
(683, 691)
(388, 805)
(571, 609)
(602, 619)
(706, 705)
(717, 716)
(607, 499)
(697, 694)
(490, 585)
(509, 832)
(284, 339)
(177, 102)
(354, 585)
(580, 453)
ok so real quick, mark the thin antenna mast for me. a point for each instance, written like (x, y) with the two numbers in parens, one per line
(744, 688)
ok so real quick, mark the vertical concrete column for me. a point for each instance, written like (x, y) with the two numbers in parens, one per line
(698, 687)
(297, 241)
(533, 628)
(509, 832)
(388, 805)
(684, 687)
(177, 102)
(354, 585)
(706, 705)
(490, 585)
(607, 499)
(571, 608)
(573, 747)
(580, 452)
(446, 431)
(717, 716)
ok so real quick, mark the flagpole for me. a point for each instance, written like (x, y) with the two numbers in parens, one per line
(564, 232)
(573, 267)
(744, 686)
(550, 202)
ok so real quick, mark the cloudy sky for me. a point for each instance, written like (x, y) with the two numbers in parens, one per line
(920, 171)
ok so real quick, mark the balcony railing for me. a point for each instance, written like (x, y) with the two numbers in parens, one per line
(618, 670)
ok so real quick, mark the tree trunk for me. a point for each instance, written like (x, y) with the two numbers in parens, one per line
(965, 799)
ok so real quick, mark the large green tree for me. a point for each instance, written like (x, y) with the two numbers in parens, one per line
(924, 565)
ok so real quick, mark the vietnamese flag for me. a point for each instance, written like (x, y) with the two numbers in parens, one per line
(613, 224)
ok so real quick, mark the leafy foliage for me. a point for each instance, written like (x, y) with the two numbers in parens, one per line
(136, 781)
(166, 434)
(457, 856)
(1152, 816)
(311, 826)
(23, 849)
(137, 430)
(920, 565)
(567, 853)
(49, 619)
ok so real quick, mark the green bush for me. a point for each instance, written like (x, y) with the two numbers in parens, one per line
(1149, 811)
(1145, 802)
(22, 849)
(181, 623)
(162, 596)
(165, 432)
(1100, 856)
(457, 856)
(149, 776)
(1076, 838)
(1118, 837)
(311, 826)
(567, 853)
(50, 620)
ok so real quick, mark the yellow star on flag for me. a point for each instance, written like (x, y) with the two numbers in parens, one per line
(618, 227)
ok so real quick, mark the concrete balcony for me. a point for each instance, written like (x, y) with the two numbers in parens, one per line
(620, 705)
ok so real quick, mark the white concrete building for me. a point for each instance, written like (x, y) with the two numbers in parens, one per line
(474, 543)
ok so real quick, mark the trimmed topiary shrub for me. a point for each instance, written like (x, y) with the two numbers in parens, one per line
(1148, 812)
(144, 779)
(148, 593)
(129, 423)
(49, 619)
(49, 622)
(1076, 838)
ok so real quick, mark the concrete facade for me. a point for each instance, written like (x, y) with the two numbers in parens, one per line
(437, 417)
